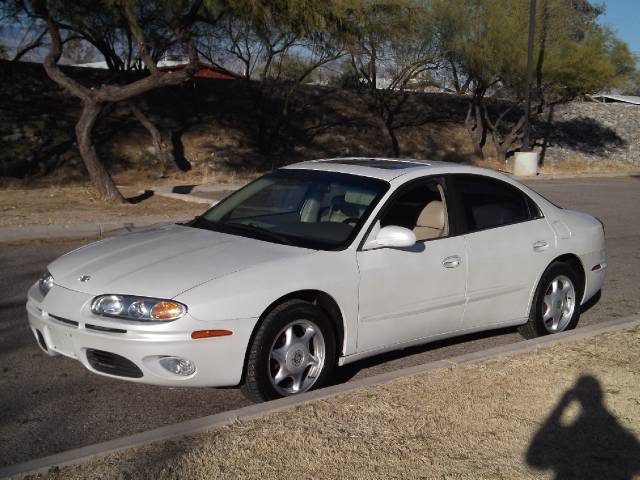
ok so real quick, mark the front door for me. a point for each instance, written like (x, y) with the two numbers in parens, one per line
(412, 293)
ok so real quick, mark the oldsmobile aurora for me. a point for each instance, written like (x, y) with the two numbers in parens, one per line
(315, 265)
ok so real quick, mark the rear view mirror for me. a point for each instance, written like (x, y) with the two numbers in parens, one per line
(392, 236)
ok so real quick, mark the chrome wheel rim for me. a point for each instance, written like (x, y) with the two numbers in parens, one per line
(558, 304)
(296, 357)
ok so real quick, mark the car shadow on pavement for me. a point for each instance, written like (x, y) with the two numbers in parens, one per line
(347, 372)
(581, 439)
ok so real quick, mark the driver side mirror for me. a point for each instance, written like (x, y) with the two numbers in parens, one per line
(392, 236)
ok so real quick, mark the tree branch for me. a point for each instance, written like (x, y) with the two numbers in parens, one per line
(138, 35)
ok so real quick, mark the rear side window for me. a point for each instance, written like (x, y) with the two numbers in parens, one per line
(489, 203)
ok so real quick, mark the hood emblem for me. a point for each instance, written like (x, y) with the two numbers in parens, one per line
(85, 278)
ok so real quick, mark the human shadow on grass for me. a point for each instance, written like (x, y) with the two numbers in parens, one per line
(589, 445)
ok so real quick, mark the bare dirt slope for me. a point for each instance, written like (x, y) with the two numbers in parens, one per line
(213, 128)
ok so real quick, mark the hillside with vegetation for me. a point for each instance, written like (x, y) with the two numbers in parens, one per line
(213, 131)
(135, 119)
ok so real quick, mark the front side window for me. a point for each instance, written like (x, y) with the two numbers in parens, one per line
(489, 203)
(304, 208)
(420, 207)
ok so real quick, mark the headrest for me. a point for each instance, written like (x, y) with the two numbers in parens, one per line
(432, 215)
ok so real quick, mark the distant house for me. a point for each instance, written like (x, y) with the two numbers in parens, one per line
(206, 71)
(613, 98)
(169, 65)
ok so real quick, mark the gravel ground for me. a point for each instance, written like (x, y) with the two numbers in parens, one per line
(53, 404)
(571, 409)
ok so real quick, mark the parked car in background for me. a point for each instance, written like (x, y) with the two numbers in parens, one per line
(316, 265)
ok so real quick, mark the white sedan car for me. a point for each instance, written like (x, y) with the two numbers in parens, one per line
(319, 264)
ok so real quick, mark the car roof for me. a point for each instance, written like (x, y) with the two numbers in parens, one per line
(384, 168)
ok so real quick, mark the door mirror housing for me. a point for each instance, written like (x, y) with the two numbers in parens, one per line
(392, 236)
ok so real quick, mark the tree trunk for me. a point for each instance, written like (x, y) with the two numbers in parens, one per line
(504, 143)
(501, 151)
(107, 189)
(476, 128)
(395, 145)
(161, 148)
(456, 80)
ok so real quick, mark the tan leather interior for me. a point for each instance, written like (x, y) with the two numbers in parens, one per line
(432, 221)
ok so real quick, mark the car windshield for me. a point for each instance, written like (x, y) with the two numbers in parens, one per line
(306, 208)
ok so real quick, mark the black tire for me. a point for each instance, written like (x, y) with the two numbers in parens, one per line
(535, 327)
(258, 385)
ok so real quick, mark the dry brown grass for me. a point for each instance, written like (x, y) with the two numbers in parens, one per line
(471, 422)
(79, 204)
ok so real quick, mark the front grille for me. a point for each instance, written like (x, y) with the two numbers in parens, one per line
(98, 328)
(112, 364)
(65, 320)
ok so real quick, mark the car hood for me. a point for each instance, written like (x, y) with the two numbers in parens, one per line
(163, 262)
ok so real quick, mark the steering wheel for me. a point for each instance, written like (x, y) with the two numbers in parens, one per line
(350, 220)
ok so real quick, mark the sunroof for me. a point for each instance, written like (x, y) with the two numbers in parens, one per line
(378, 163)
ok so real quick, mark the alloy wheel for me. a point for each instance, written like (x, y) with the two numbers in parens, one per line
(558, 304)
(296, 357)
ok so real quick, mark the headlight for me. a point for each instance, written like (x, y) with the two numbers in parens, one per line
(45, 283)
(138, 308)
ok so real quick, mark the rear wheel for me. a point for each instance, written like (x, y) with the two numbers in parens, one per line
(293, 351)
(556, 303)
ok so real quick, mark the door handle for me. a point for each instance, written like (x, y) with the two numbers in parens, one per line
(452, 261)
(540, 246)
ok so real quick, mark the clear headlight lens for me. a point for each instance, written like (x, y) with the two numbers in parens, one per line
(45, 283)
(138, 308)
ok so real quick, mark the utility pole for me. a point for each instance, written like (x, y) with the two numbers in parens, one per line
(526, 140)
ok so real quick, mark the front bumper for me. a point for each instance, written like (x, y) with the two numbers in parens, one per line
(62, 323)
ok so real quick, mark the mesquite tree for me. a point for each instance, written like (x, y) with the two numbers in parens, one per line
(391, 44)
(573, 55)
(179, 17)
(278, 46)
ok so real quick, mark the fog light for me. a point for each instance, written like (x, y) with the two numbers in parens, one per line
(178, 366)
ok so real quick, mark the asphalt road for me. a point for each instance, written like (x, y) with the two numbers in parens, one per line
(48, 405)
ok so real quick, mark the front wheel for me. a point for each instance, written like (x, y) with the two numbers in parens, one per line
(293, 351)
(556, 303)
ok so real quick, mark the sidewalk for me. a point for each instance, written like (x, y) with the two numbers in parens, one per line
(564, 405)
(209, 193)
(88, 231)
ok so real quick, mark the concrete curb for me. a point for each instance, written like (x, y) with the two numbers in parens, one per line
(185, 197)
(562, 176)
(210, 422)
(185, 193)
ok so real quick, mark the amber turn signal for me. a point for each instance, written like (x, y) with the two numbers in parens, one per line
(167, 311)
(211, 333)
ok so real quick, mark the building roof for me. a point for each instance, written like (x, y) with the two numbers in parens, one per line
(205, 71)
(611, 97)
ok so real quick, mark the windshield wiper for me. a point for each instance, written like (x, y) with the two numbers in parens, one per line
(200, 221)
(248, 227)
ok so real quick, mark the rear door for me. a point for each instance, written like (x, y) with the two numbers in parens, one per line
(508, 243)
